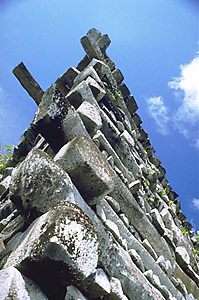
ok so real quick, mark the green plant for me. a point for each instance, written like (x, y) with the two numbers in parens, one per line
(162, 193)
(170, 203)
(195, 251)
(185, 231)
(5, 155)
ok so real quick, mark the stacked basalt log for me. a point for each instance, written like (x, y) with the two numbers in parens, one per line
(86, 211)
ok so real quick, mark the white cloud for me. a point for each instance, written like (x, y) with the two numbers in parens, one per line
(184, 118)
(187, 84)
(159, 113)
(195, 203)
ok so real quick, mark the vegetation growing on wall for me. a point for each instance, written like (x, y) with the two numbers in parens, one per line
(5, 156)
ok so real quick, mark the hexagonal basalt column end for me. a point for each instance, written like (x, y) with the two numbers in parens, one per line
(87, 167)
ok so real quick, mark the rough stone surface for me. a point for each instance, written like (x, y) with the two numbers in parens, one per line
(136, 259)
(86, 166)
(90, 116)
(65, 238)
(14, 286)
(74, 294)
(183, 255)
(38, 184)
(86, 210)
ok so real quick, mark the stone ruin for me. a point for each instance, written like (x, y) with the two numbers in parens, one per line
(86, 211)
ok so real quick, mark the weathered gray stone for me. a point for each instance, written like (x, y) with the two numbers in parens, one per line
(134, 186)
(87, 72)
(190, 297)
(116, 290)
(65, 81)
(88, 90)
(165, 265)
(64, 236)
(85, 164)
(104, 71)
(28, 82)
(38, 184)
(97, 89)
(4, 222)
(120, 145)
(74, 294)
(117, 74)
(157, 221)
(100, 212)
(56, 117)
(2, 246)
(155, 281)
(4, 184)
(124, 219)
(128, 138)
(113, 229)
(133, 243)
(182, 255)
(103, 142)
(90, 116)
(138, 219)
(190, 284)
(149, 248)
(136, 259)
(90, 45)
(113, 203)
(135, 286)
(97, 285)
(11, 228)
(14, 286)
(180, 285)
(120, 126)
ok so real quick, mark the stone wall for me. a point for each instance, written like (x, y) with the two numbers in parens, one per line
(86, 211)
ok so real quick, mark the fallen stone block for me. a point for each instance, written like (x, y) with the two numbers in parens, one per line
(85, 164)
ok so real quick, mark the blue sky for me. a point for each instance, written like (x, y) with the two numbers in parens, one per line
(155, 43)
